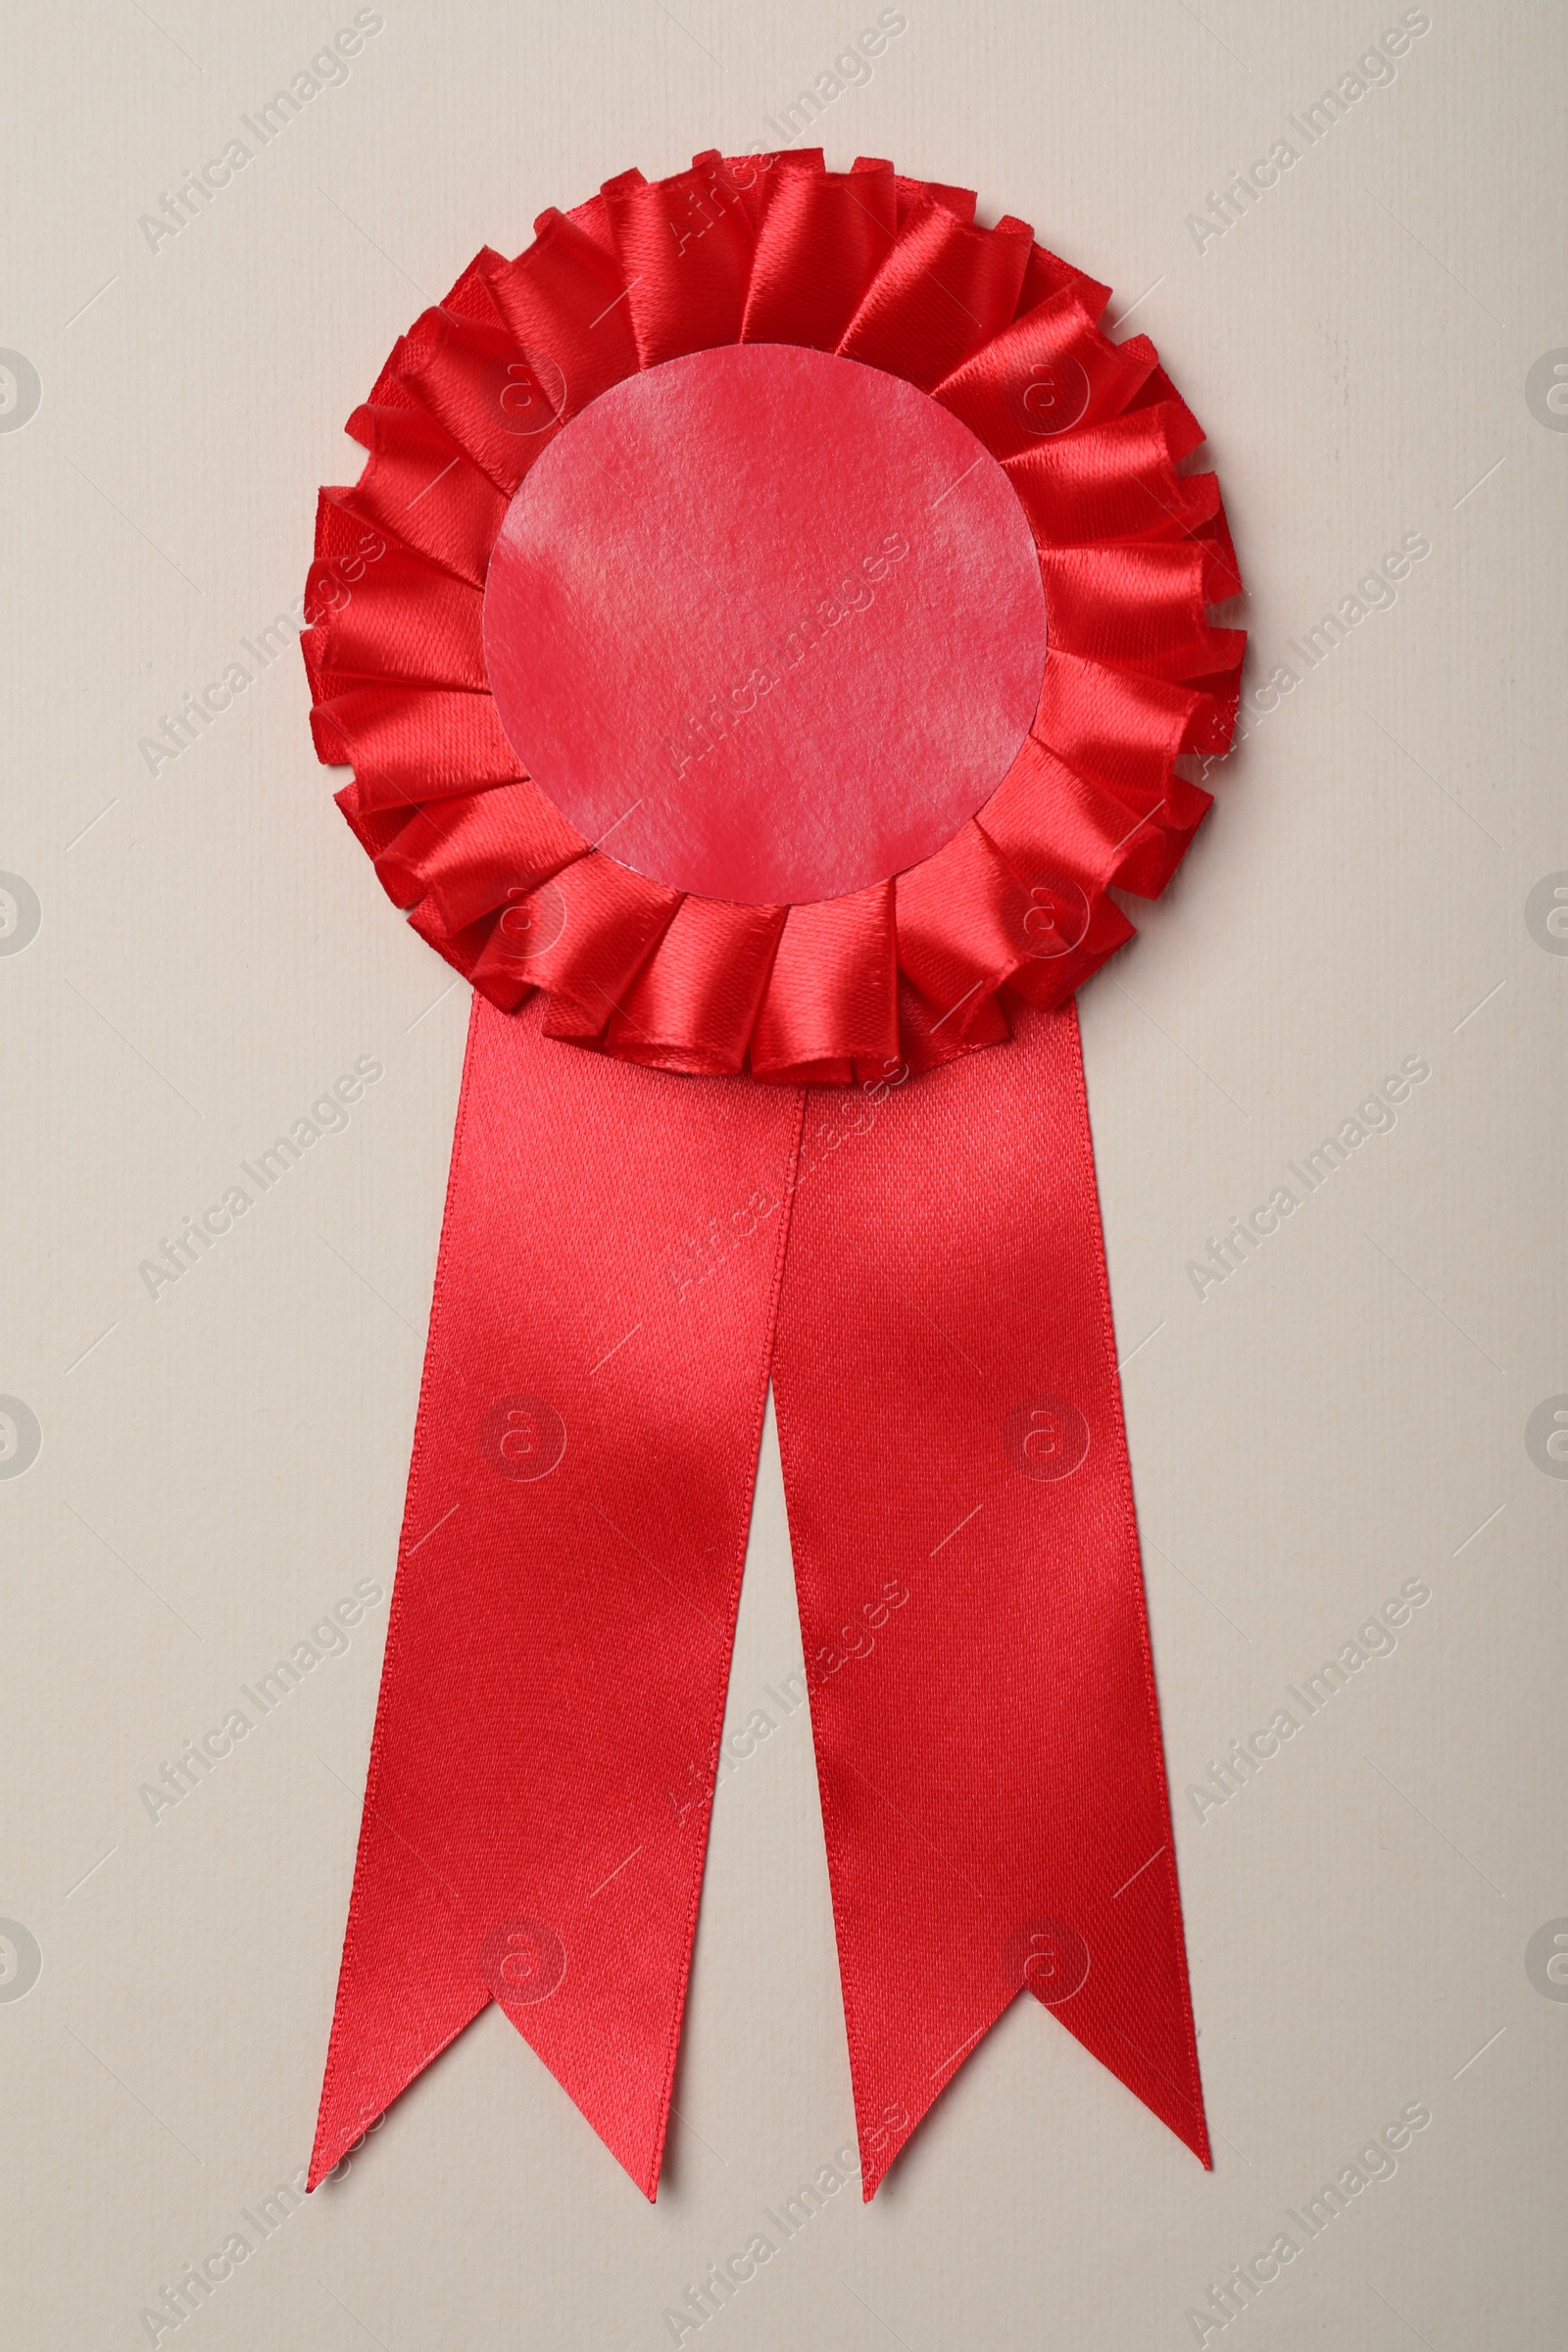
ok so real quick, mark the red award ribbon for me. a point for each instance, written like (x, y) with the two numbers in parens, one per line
(770, 619)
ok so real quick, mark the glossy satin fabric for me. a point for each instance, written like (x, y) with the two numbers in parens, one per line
(1001, 335)
(558, 1644)
(627, 1257)
(631, 1252)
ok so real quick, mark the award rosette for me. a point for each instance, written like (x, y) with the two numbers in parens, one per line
(788, 612)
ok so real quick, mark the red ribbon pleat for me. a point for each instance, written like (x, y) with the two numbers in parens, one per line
(618, 1246)
(849, 219)
(895, 273)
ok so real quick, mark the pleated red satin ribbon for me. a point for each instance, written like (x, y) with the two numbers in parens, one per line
(764, 646)
(997, 336)
(627, 1256)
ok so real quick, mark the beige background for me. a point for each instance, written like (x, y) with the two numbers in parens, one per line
(219, 1466)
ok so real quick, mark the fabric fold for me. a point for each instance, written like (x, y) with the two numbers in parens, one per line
(944, 290)
(419, 488)
(685, 247)
(469, 373)
(562, 299)
(463, 859)
(1050, 373)
(1115, 480)
(694, 1003)
(408, 744)
(895, 273)
(401, 620)
(821, 239)
(832, 996)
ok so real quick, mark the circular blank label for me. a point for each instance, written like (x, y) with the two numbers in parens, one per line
(765, 624)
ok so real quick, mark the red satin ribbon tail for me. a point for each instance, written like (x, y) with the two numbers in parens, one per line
(971, 1599)
(967, 1560)
(402, 1996)
(557, 1653)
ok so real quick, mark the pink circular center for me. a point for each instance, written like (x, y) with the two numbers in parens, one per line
(765, 624)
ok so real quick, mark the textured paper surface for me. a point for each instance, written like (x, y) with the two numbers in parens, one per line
(641, 574)
(1371, 340)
